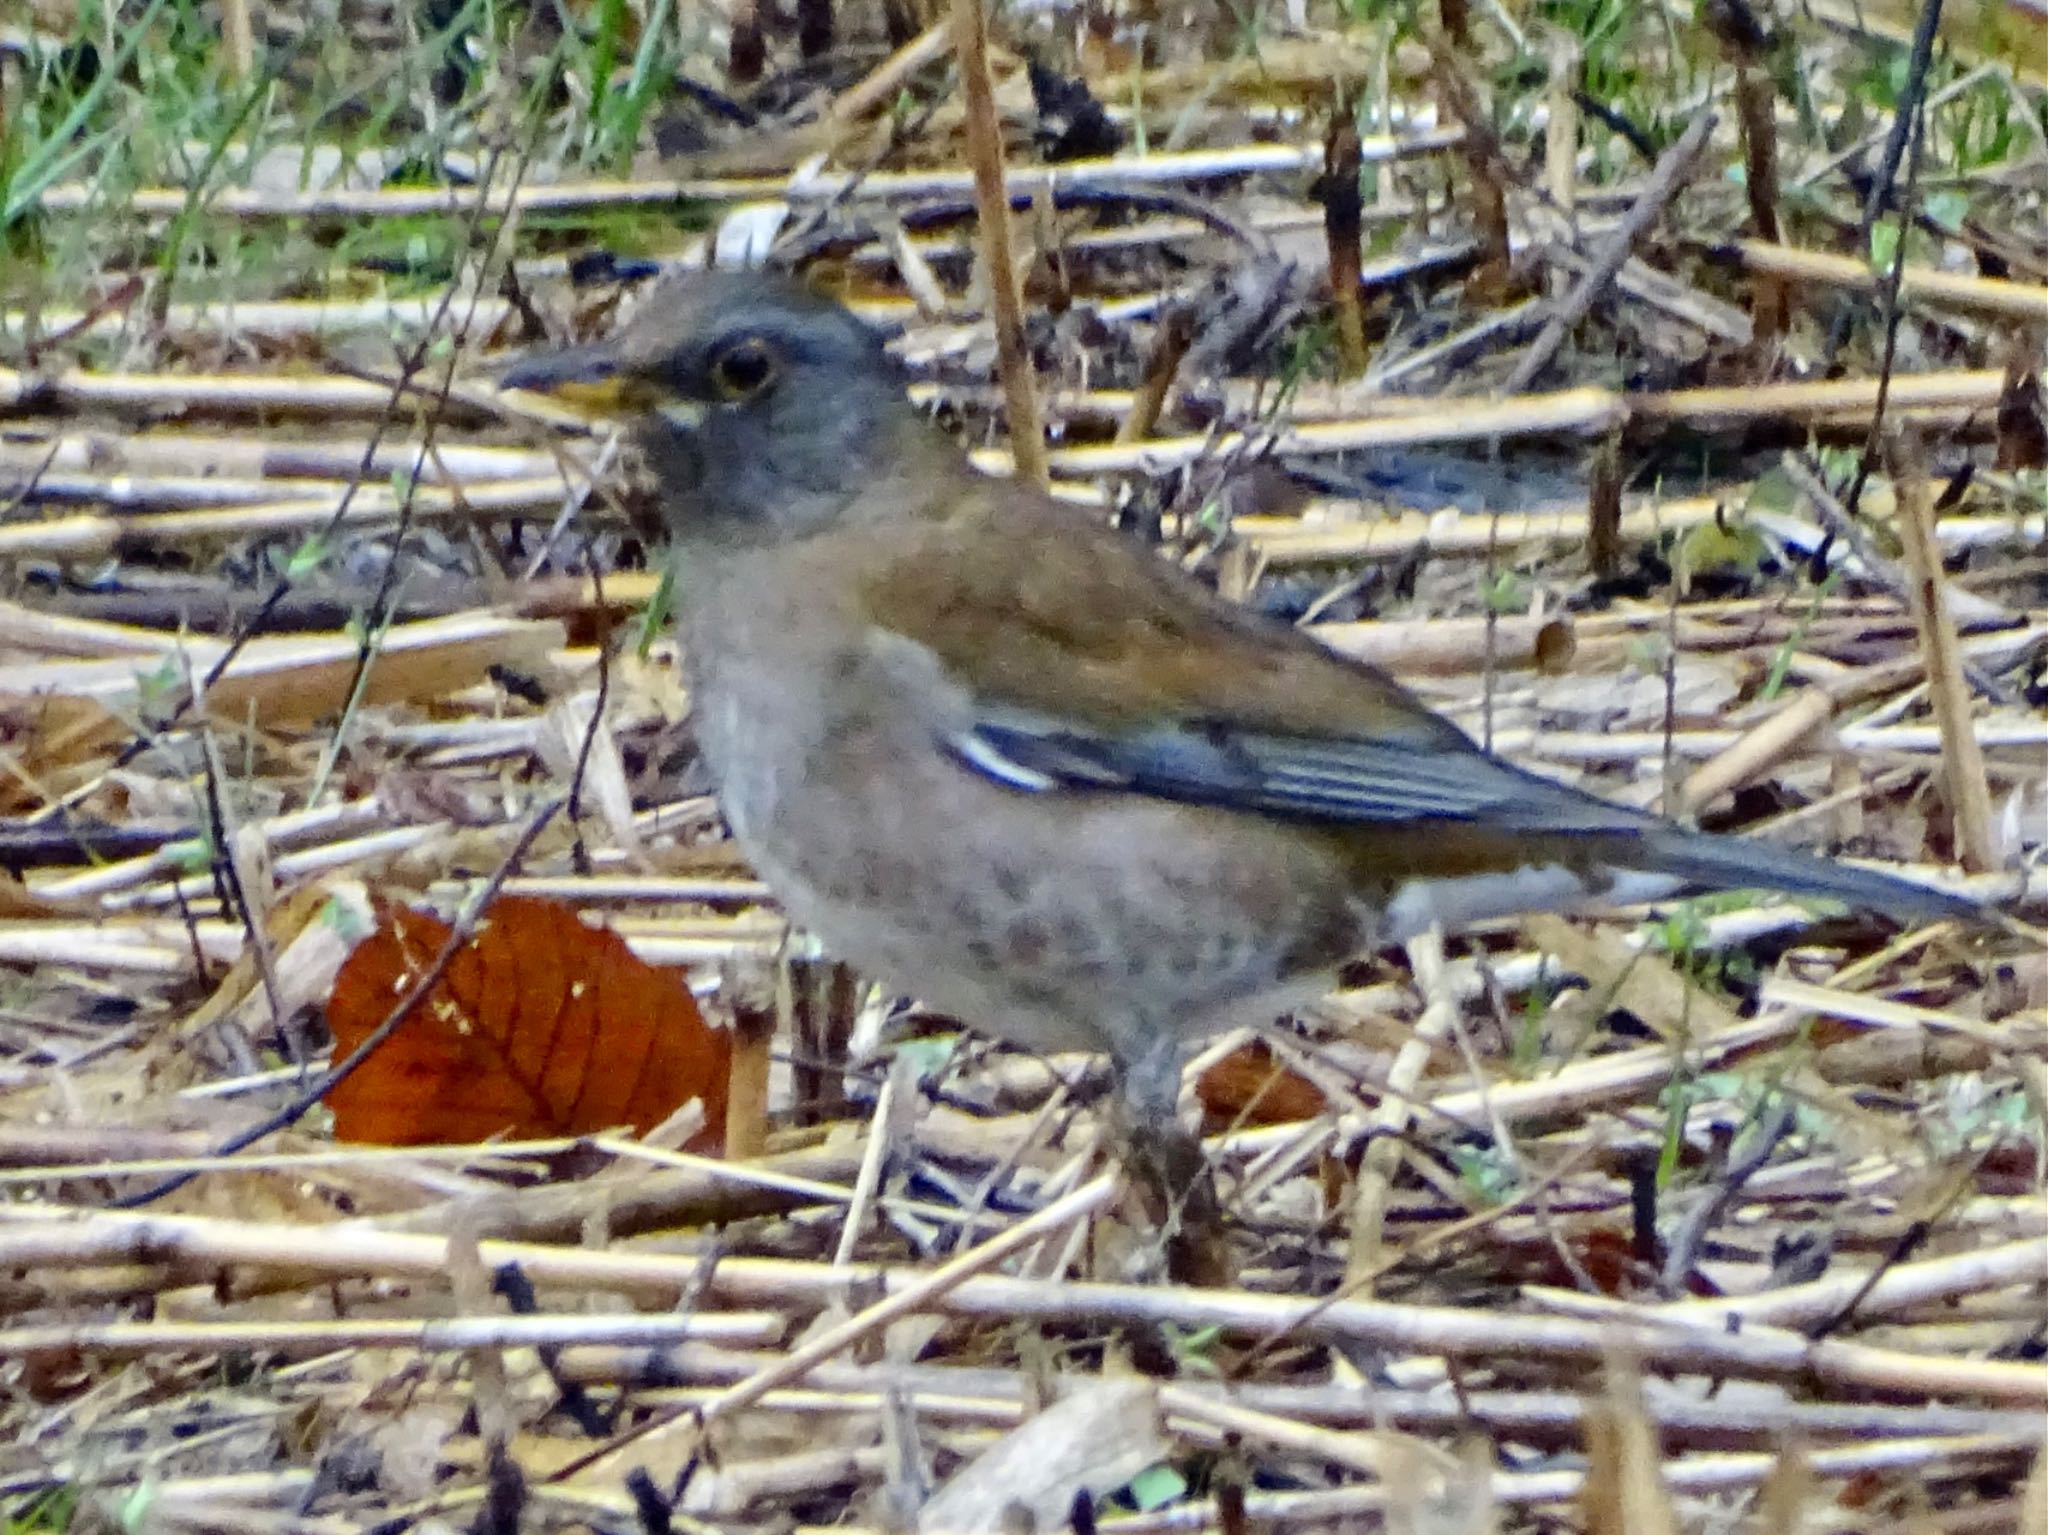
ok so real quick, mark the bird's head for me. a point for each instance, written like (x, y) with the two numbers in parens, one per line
(763, 408)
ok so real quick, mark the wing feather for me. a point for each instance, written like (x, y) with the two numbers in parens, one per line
(1073, 659)
(1214, 762)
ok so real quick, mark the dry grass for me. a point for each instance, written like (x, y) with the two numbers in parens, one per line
(1725, 1218)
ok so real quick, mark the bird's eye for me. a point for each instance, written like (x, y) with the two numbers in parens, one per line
(744, 368)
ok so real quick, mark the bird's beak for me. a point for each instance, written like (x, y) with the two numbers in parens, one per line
(586, 376)
(592, 378)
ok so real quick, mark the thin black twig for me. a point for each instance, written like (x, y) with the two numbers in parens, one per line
(379, 616)
(1890, 308)
(1906, 128)
(1912, 99)
(604, 693)
(1683, 1251)
(1806, 474)
(1959, 1185)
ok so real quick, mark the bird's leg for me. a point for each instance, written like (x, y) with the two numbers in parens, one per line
(1167, 1165)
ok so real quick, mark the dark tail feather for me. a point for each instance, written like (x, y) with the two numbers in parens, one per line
(1745, 863)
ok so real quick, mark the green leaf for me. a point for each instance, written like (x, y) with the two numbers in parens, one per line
(155, 686)
(307, 558)
(1505, 593)
(1157, 1486)
(928, 1055)
(47, 160)
(1488, 1173)
(48, 1513)
(657, 610)
(1722, 544)
(191, 855)
(1884, 244)
(345, 919)
(1774, 492)
(133, 1511)
(1837, 465)
(1947, 208)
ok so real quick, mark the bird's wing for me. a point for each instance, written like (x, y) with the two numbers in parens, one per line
(1087, 663)
(1207, 761)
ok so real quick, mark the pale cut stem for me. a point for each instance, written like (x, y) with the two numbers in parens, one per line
(1761, 748)
(1962, 756)
(1999, 296)
(992, 206)
(1396, 1109)
(45, 1235)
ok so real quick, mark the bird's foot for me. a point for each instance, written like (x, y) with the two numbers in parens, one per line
(1177, 1188)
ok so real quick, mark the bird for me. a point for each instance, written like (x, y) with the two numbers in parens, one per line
(1003, 758)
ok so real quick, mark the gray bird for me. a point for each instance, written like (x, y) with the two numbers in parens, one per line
(1005, 760)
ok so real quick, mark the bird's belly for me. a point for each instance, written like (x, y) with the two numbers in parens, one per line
(1456, 902)
(1076, 922)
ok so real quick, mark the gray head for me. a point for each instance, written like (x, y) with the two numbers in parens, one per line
(762, 407)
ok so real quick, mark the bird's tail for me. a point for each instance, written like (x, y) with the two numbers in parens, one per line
(1745, 863)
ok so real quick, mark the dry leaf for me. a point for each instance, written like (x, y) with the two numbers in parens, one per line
(1248, 1087)
(50, 744)
(540, 1025)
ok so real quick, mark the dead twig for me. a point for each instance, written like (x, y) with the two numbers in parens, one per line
(992, 203)
(1673, 169)
(1962, 759)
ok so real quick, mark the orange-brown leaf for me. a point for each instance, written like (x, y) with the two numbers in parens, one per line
(541, 1025)
(1249, 1087)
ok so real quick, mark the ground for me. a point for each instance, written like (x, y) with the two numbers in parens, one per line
(1706, 477)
